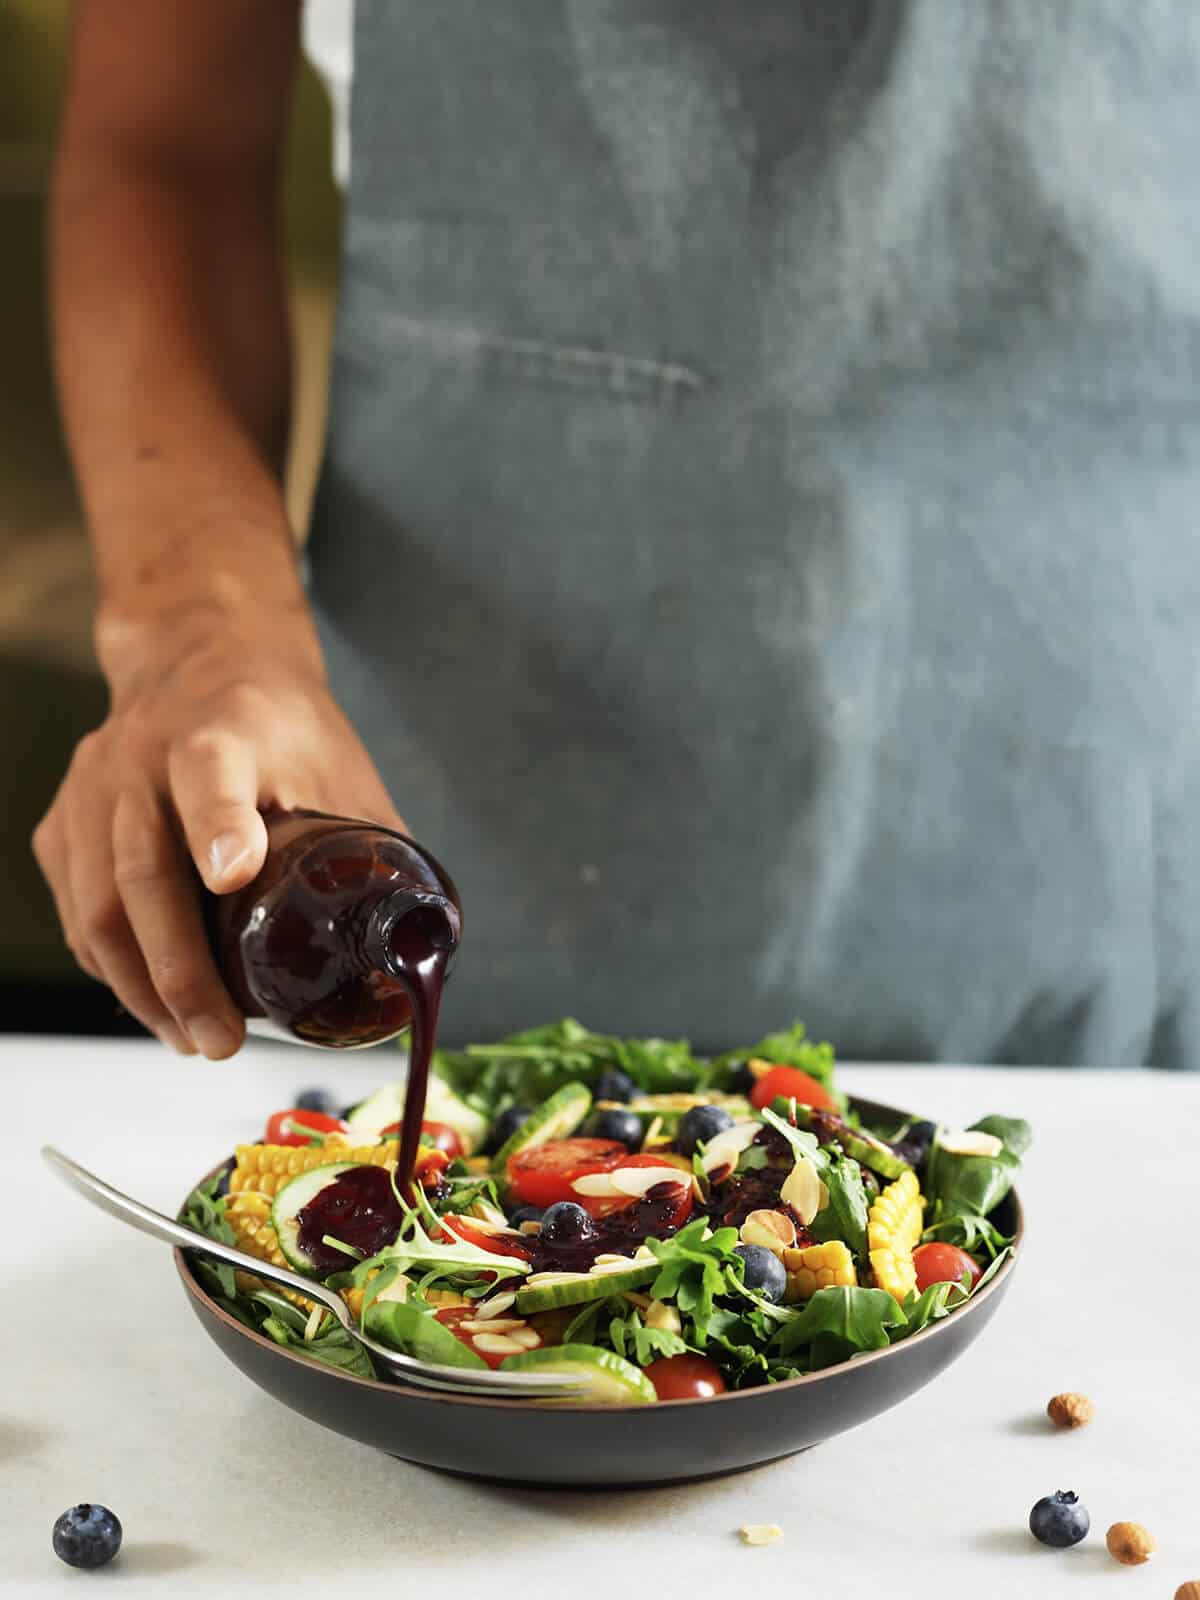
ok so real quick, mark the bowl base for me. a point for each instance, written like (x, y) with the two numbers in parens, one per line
(604, 1488)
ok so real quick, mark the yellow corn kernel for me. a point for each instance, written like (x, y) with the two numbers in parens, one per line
(893, 1231)
(265, 1168)
(441, 1298)
(818, 1266)
(249, 1215)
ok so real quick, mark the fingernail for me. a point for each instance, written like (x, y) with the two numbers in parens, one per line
(211, 1037)
(226, 851)
(175, 1039)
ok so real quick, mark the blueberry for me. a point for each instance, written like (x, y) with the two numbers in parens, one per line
(344, 1113)
(525, 1214)
(699, 1125)
(741, 1079)
(87, 1536)
(566, 1223)
(762, 1271)
(1059, 1520)
(505, 1125)
(612, 1084)
(314, 1100)
(625, 1126)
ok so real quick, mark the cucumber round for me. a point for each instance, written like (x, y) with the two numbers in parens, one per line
(671, 1107)
(556, 1118)
(609, 1378)
(291, 1201)
(386, 1105)
(583, 1286)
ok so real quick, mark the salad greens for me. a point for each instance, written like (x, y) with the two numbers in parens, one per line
(710, 1261)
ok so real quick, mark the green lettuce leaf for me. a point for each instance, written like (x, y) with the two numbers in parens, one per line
(964, 1190)
(839, 1323)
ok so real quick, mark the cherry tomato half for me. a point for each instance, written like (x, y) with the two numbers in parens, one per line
(287, 1127)
(442, 1134)
(544, 1174)
(499, 1244)
(685, 1377)
(944, 1263)
(792, 1084)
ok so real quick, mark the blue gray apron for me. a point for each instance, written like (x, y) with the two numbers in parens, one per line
(758, 539)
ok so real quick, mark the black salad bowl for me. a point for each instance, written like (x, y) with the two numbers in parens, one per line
(592, 1446)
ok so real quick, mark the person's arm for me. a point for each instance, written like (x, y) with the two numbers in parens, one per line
(171, 346)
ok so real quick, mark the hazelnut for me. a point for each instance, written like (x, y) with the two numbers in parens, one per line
(1129, 1543)
(774, 1230)
(1188, 1591)
(1070, 1410)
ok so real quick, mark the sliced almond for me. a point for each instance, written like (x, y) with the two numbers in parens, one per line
(614, 1264)
(545, 1280)
(971, 1142)
(526, 1337)
(486, 1309)
(499, 1229)
(660, 1315)
(315, 1318)
(760, 1533)
(643, 1302)
(637, 1181)
(492, 1325)
(530, 1228)
(771, 1229)
(803, 1190)
(397, 1289)
(485, 1211)
(599, 1185)
(497, 1344)
(721, 1154)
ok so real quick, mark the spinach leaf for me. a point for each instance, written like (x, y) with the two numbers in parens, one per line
(964, 1190)
(1014, 1132)
(845, 1217)
(333, 1346)
(406, 1327)
(839, 1323)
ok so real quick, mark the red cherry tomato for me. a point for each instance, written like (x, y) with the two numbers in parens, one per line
(544, 1174)
(944, 1263)
(604, 1206)
(283, 1127)
(443, 1136)
(499, 1244)
(686, 1377)
(792, 1084)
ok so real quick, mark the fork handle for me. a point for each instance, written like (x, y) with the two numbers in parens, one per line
(146, 1220)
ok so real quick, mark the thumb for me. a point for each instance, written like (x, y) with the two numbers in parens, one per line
(214, 785)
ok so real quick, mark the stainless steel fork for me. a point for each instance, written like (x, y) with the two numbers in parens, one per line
(497, 1385)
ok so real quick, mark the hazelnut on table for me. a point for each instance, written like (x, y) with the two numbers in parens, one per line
(1070, 1410)
(1130, 1543)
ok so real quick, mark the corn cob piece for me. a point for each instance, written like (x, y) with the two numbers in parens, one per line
(893, 1230)
(249, 1215)
(265, 1168)
(818, 1266)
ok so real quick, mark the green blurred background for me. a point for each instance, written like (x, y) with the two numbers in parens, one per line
(50, 692)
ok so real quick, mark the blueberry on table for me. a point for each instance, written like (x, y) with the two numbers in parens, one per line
(699, 1125)
(762, 1271)
(87, 1536)
(624, 1126)
(315, 1100)
(525, 1214)
(1059, 1520)
(505, 1125)
(566, 1223)
(612, 1084)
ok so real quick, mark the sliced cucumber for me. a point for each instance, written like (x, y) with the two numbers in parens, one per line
(379, 1110)
(671, 1107)
(292, 1199)
(575, 1288)
(862, 1146)
(610, 1379)
(556, 1118)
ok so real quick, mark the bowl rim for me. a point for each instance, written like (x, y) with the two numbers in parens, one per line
(193, 1286)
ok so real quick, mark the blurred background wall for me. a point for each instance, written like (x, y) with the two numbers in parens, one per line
(50, 692)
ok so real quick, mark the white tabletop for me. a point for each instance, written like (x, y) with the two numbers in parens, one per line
(112, 1393)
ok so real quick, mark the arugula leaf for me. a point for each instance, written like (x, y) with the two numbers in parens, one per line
(845, 1217)
(790, 1048)
(204, 1210)
(839, 1323)
(802, 1142)
(695, 1270)
(631, 1338)
(413, 1330)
